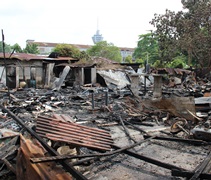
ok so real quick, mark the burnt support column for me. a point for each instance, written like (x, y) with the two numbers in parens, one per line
(93, 101)
(135, 84)
(157, 92)
(106, 97)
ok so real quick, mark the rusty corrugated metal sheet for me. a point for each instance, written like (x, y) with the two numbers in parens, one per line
(23, 56)
(28, 171)
(28, 57)
(60, 59)
(171, 71)
(58, 130)
(76, 65)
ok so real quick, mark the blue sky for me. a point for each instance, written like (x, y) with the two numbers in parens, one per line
(75, 22)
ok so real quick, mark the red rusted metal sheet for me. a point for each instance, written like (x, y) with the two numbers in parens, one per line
(57, 129)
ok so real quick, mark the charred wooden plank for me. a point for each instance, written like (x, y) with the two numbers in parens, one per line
(189, 141)
(46, 159)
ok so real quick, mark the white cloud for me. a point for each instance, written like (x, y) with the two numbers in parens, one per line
(67, 21)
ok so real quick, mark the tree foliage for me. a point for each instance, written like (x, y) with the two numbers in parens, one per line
(141, 61)
(177, 62)
(67, 50)
(129, 59)
(106, 50)
(31, 48)
(6, 46)
(186, 33)
(147, 48)
(17, 48)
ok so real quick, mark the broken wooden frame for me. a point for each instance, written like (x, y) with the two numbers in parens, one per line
(46, 159)
(7, 151)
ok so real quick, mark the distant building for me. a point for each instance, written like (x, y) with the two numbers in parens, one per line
(46, 48)
(97, 37)
(126, 52)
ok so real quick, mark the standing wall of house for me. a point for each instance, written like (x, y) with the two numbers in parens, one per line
(79, 76)
(2, 75)
(32, 70)
(85, 75)
(49, 74)
(93, 75)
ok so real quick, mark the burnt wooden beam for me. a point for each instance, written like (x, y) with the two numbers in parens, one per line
(188, 174)
(78, 175)
(149, 160)
(9, 165)
(201, 167)
(126, 130)
(56, 158)
(189, 141)
(135, 127)
(9, 151)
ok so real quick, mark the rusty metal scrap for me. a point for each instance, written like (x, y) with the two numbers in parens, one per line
(26, 170)
(180, 106)
(170, 71)
(57, 130)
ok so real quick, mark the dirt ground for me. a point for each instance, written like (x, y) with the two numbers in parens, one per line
(122, 166)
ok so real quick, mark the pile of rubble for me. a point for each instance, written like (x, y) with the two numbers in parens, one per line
(158, 128)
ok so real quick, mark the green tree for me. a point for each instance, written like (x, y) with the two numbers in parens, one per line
(158, 64)
(186, 32)
(85, 56)
(106, 50)
(17, 48)
(67, 50)
(7, 47)
(31, 48)
(129, 59)
(147, 48)
(178, 62)
(141, 61)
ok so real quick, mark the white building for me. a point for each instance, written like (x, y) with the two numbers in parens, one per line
(45, 48)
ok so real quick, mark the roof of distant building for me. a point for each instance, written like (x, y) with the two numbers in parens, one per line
(22, 56)
(28, 57)
(80, 46)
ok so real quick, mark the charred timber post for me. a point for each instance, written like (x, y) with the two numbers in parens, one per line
(65, 164)
(157, 92)
(145, 80)
(93, 101)
(106, 97)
